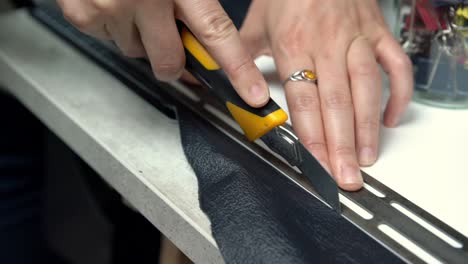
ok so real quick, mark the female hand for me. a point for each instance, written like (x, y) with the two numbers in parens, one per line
(343, 41)
(147, 28)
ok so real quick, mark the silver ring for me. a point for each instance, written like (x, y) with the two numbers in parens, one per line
(303, 75)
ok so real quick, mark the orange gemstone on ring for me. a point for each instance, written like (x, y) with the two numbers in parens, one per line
(309, 75)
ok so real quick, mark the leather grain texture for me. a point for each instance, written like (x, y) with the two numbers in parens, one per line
(258, 215)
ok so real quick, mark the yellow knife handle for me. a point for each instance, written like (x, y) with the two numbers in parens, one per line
(255, 122)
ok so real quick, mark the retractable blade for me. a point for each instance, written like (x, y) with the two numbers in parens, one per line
(267, 123)
(283, 141)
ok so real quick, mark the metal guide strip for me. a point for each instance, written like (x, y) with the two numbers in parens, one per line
(139, 77)
(381, 209)
(392, 196)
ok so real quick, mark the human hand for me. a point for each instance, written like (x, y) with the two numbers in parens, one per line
(343, 41)
(148, 28)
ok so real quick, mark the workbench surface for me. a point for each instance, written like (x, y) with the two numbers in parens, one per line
(137, 149)
(131, 144)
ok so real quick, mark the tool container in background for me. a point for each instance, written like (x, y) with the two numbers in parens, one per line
(434, 33)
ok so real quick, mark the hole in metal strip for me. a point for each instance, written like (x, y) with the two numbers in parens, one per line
(186, 91)
(373, 190)
(361, 211)
(430, 227)
(408, 244)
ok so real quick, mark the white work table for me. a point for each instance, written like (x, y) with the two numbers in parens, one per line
(133, 146)
(137, 149)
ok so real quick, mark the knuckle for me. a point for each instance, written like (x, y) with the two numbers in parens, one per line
(338, 100)
(365, 69)
(403, 63)
(168, 70)
(316, 147)
(334, 31)
(380, 32)
(291, 42)
(371, 124)
(305, 103)
(218, 27)
(331, 24)
(239, 67)
(344, 150)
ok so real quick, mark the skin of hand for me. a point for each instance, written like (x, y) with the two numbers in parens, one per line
(147, 28)
(343, 41)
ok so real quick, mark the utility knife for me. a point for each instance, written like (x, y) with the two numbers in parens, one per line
(267, 123)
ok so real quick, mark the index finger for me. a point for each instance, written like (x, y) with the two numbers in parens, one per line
(216, 31)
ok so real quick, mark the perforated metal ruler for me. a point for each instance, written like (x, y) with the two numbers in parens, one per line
(401, 226)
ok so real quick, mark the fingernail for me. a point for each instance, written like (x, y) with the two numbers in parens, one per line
(367, 156)
(351, 178)
(259, 94)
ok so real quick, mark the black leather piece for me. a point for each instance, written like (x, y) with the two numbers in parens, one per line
(259, 216)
